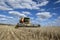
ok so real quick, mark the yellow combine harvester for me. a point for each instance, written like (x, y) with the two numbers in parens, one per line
(25, 22)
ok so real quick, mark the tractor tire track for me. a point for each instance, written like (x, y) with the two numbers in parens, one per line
(13, 34)
(19, 35)
(3, 35)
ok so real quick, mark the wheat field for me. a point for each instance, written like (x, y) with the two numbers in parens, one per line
(24, 33)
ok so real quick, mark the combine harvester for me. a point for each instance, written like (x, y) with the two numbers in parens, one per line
(25, 22)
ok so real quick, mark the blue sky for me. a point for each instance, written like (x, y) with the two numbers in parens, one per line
(43, 12)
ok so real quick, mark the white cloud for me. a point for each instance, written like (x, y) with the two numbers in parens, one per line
(4, 16)
(7, 19)
(16, 13)
(3, 19)
(59, 17)
(57, 1)
(56, 8)
(55, 22)
(1, 16)
(5, 8)
(31, 18)
(41, 10)
(22, 4)
(26, 13)
(54, 14)
(44, 15)
(43, 3)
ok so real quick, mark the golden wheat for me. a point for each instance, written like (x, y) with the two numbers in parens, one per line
(24, 33)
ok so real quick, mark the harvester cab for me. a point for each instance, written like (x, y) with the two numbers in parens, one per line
(25, 20)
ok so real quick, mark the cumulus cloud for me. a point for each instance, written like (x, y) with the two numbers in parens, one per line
(7, 19)
(22, 4)
(44, 15)
(54, 14)
(43, 3)
(41, 10)
(4, 16)
(16, 13)
(55, 22)
(1, 16)
(5, 8)
(3, 19)
(56, 8)
(57, 1)
(26, 13)
(59, 17)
